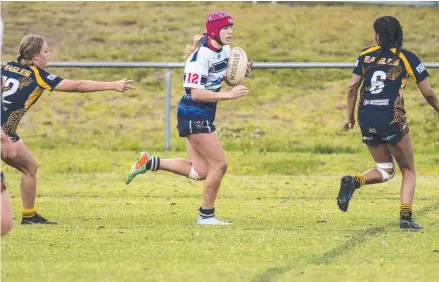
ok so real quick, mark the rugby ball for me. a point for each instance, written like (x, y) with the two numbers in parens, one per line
(236, 67)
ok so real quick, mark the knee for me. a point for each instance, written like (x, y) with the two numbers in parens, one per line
(222, 166)
(203, 174)
(407, 170)
(7, 224)
(9, 149)
(387, 170)
(8, 154)
(31, 169)
(195, 175)
(28, 169)
(225, 166)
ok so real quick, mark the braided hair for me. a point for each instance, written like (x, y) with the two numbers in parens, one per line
(390, 36)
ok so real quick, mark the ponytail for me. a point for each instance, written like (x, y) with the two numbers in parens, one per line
(189, 49)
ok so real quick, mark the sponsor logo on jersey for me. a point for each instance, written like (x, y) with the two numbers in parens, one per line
(376, 102)
(356, 64)
(420, 68)
(51, 76)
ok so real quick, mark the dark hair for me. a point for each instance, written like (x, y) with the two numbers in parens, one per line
(390, 35)
(390, 32)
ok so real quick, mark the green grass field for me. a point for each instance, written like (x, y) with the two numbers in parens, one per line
(283, 142)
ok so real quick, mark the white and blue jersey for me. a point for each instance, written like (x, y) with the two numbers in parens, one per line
(205, 69)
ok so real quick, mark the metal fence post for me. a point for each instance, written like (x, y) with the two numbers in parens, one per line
(168, 83)
(168, 66)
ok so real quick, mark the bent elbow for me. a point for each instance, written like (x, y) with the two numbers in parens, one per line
(79, 87)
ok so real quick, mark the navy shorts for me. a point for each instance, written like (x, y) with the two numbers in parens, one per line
(186, 127)
(380, 129)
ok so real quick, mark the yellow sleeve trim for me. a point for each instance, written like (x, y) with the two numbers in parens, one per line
(406, 64)
(40, 80)
(32, 97)
(371, 49)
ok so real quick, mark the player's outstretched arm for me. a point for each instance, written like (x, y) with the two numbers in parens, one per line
(428, 94)
(93, 86)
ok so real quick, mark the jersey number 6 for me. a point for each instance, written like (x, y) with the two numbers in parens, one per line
(377, 82)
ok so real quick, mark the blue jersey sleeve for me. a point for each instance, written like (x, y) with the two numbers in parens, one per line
(358, 68)
(415, 68)
(46, 80)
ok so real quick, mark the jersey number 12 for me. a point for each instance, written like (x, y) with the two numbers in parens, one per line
(10, 86)
(193, 78)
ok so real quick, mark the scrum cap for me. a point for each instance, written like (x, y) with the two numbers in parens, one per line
(215, 21)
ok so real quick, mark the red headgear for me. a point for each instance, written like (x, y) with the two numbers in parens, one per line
(215, 21)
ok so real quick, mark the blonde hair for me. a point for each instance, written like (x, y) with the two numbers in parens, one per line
(29, 46)
(191, 48)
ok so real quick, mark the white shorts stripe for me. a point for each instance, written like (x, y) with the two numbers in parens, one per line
(190, 126)
(207, 122)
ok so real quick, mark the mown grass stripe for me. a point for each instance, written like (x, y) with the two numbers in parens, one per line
(334, 253)
(363, 237)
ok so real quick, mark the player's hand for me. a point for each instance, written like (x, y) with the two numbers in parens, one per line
(249, 68)
(238, 91)
(124, 85)
(349, 124)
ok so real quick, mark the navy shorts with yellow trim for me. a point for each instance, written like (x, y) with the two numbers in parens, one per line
(186, 127)
(379, 129)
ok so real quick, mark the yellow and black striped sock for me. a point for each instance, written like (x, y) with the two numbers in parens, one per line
(28, 213)
(360, 180)
(406, 211)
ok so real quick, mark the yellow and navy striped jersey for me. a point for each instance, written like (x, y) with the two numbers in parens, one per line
(22, 85)
(384, 82)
